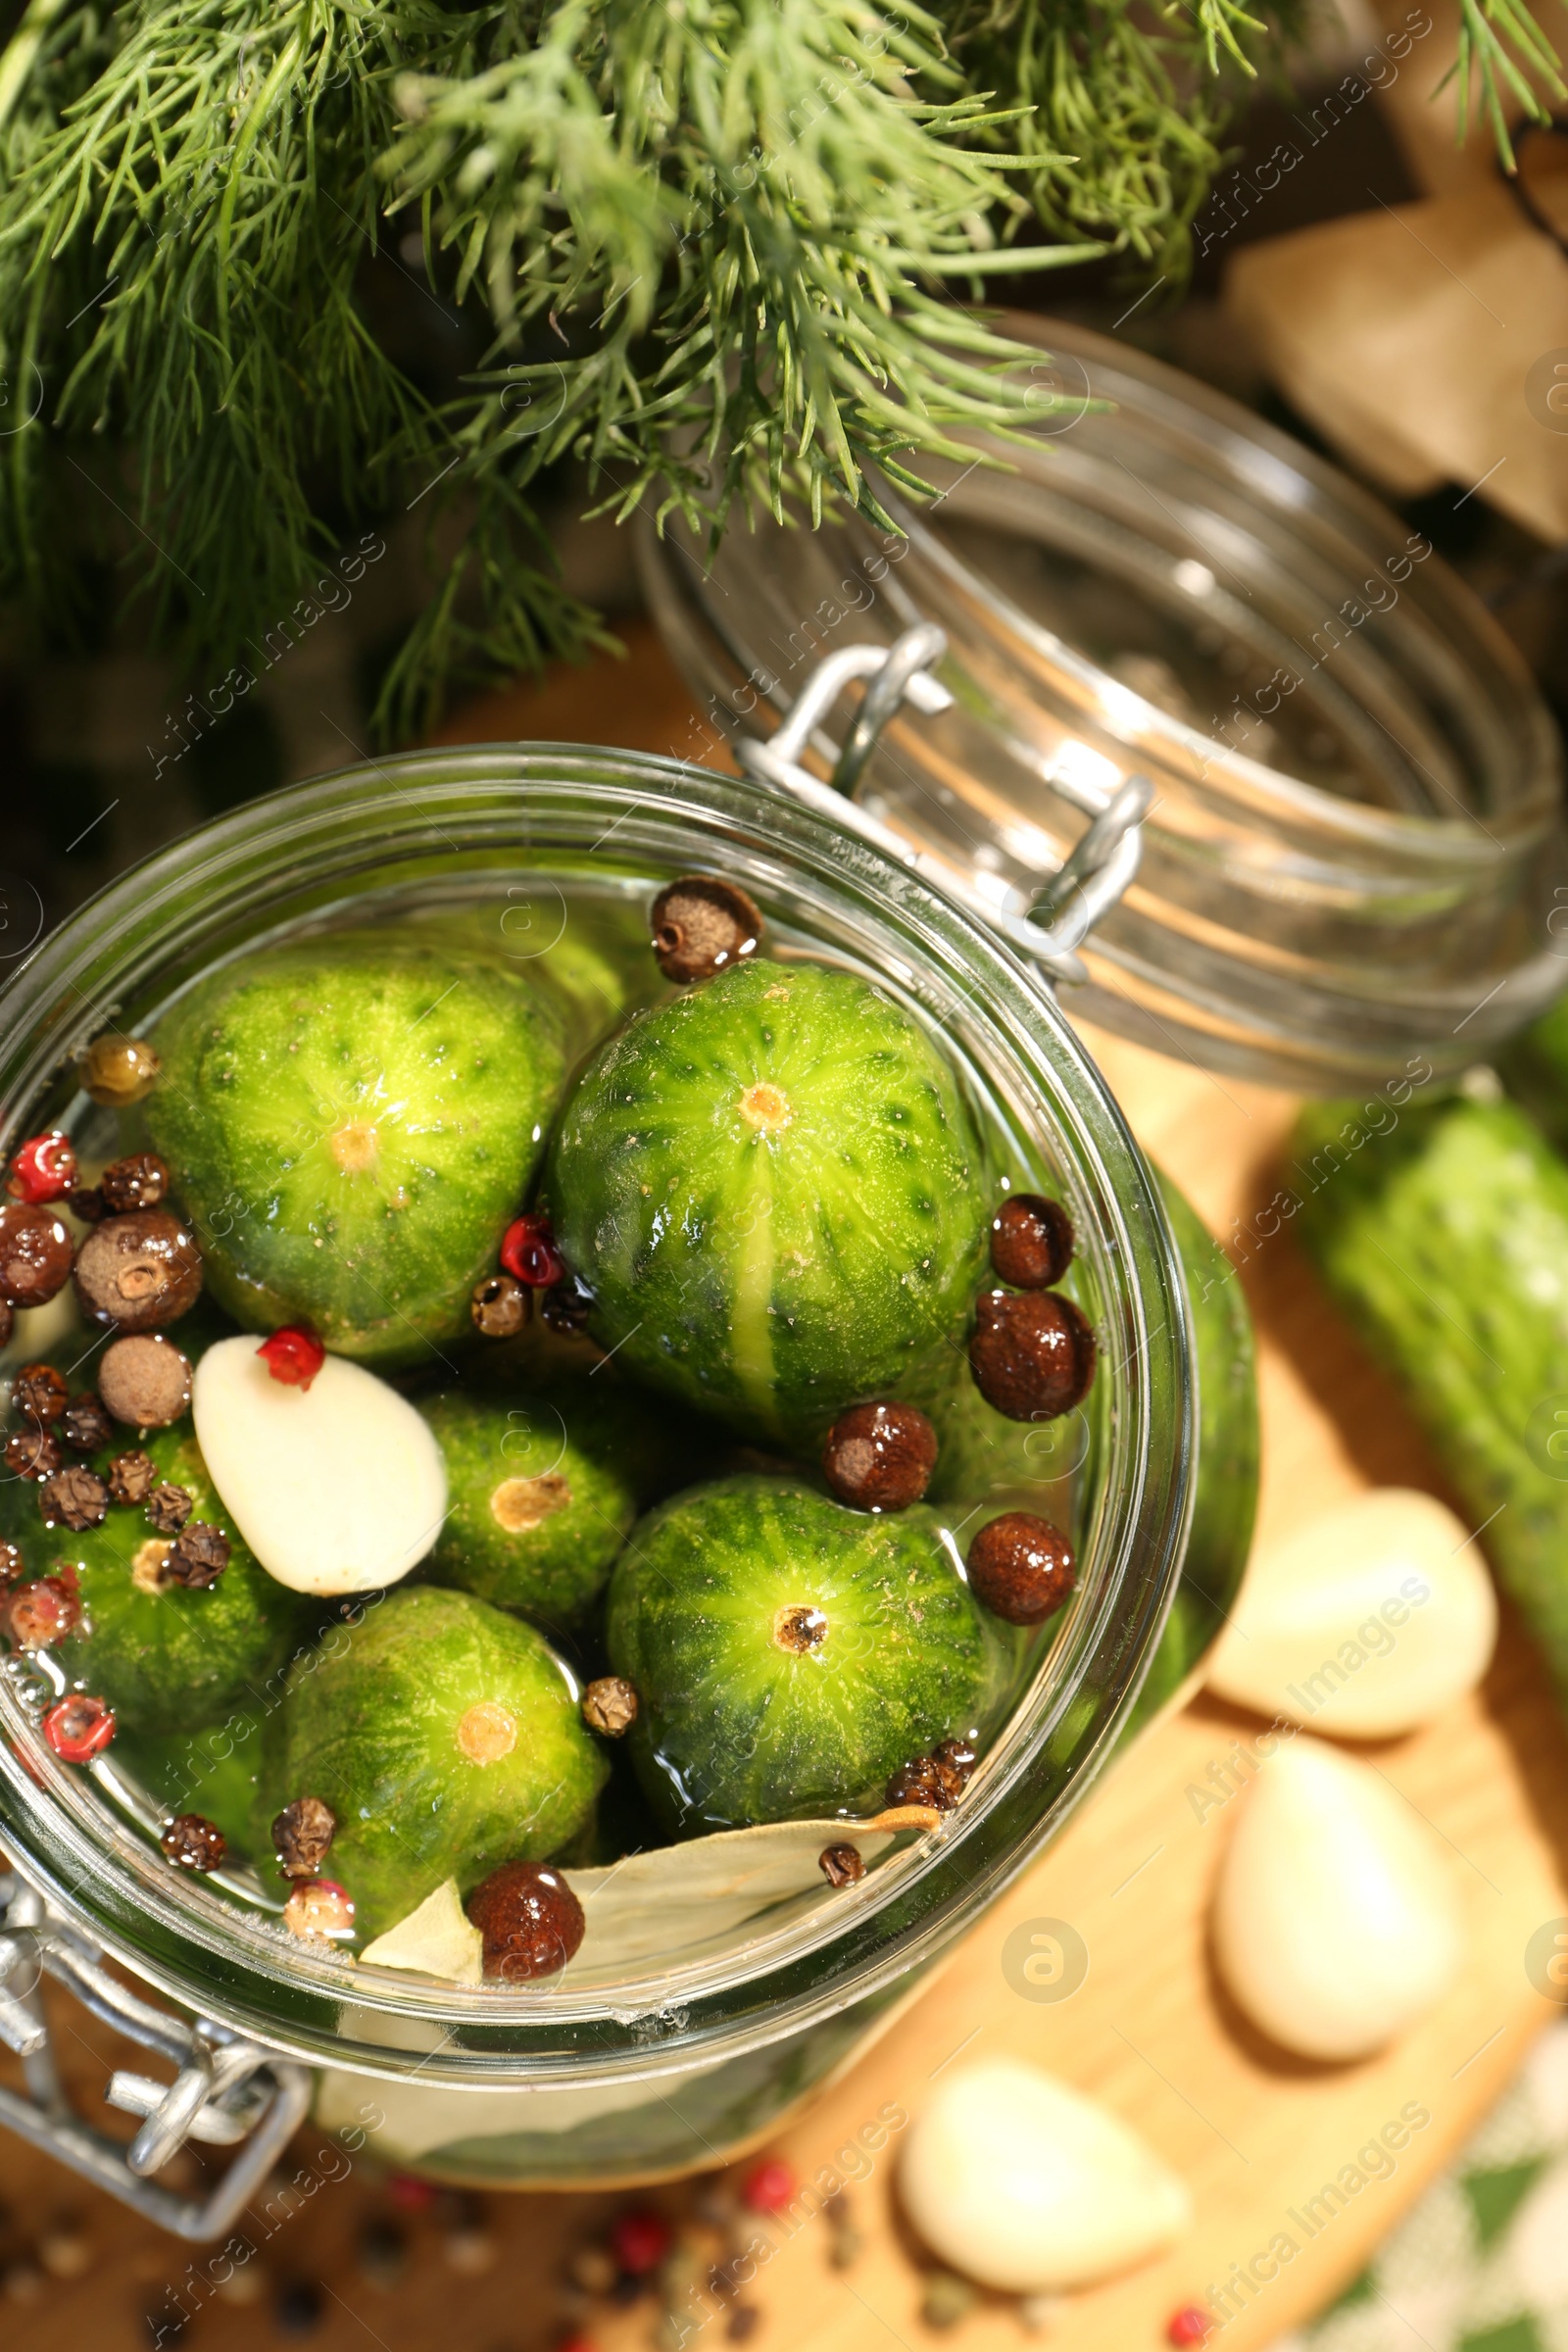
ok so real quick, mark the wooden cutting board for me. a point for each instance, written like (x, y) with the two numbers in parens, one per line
(1255, 2132)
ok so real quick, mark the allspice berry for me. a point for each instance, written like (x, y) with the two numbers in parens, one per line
(1031, 1241)
(1032, 1353)
(139, 1180)
(501, 1306)
(302, 1836)
(841, 1865)
(193, 1843)
(610, 1707)
(137, 1271)
(145, 1381)
(1022, 1568)
(879, 1457)
(35, 1255)
(530, 1920)
(701, 925)
(118, 1071)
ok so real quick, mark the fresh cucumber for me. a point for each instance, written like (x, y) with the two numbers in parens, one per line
(1446, 1240)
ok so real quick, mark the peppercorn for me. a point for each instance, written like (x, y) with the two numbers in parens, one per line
(1191, 2324)
(925, 1780)
(501, 1306)
(44, 1169)
(302, 1833)
(381, 2254)
(169, 1508)
(78, 1728)
(33, 1453)
(198, 1556)
(320, 1911)
(131, 1477)
(300, 2307)
(1032, 1355)
(1031, 1241)
(566, 1306)
(35, 1255)
(12, 1565)
(118, 1071)
(88, 1204)
(85, 1425)
(957, 1756)
(293, 1355)
(700, 926)
(138, 1270)
(841, 1865)
(39, 1392)
(42, 1613)
(529, 1251)
(145, 1381)
(610, 1707)
(1022, 1568)
(639, 2239)
(193, 1843)
(139, 1181)
(76, 1496)
(529, 1917)
(879, 1457)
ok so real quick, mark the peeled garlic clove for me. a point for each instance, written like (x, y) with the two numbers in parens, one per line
(438, 1939)
(1336, 1920)
(337, 1488)
(1023, 2183)
(1363, 1622)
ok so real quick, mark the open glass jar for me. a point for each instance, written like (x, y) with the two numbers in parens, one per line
(614, 2068)
(1355, 851)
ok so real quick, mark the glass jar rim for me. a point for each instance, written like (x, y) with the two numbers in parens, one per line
(510, 803)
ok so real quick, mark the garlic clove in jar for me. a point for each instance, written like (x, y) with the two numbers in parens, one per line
(1363, 1622)
(1336, 1922)
(337, 1485)
(1023, 2183)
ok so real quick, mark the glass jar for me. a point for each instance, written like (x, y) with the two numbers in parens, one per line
(1356, 843)
(645, 2069)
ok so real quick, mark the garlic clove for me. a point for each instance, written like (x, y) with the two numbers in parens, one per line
(1020, 2182)
(438, 1939)
(336, 1488)
(1363, 1622)
(1335, 1924)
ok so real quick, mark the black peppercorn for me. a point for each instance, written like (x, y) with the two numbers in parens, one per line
(841, 1865)
(194, 1842)
(169, 1508)
(131, 1477)
(137, 1181)
(879, 1457)
(77, 1497)
(530, 1920)
(1020, 1567)
(302, 1835)
(700, 925)
(138, 1270)
(85, 1425)
(1031, 1241)
(1032, 1353)
(610, 1707)
(39, 1392)
(12, 1567)
(567, 1305)
(926, 1780)
(198, 1556)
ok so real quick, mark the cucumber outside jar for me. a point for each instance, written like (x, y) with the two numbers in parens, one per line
(443, 1699)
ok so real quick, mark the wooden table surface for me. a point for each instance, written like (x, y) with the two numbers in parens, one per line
(1255, 2132)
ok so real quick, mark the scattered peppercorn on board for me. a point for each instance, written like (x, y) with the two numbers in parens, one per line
(1095, 1965)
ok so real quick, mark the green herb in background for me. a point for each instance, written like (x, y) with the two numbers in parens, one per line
(707, 247)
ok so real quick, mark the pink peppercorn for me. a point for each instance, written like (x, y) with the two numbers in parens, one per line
(1190, 2325)
(293, 1355)
(78, 1729)
(639, 2239)
(529, 1251)
(770, 2186)
(43, 1169)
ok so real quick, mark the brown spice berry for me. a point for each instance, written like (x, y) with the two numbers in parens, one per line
(1032, 1353)
(7, 1320)
(700, 925)
(501, 1306)
(841, 1865)
(43, 1612)
(879, 1457)
(88, 1204)
(1022, 1568)
(131, 1477)
(193, 1843)
(139, 1181)
(85, 1425)
(566, 1306)
(144, 1381)
(12, 1567)
(33, 1453)
(302, 1835)
(1031, 1241)
(199, 1556)
(138, 1270)
(925, 1780)
(118, 1071)
(39, 1393)
(529, 1917)
(610, 1707)
(957, 1755)
(169, 1508)
(35, 1255)
(77, 1497)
